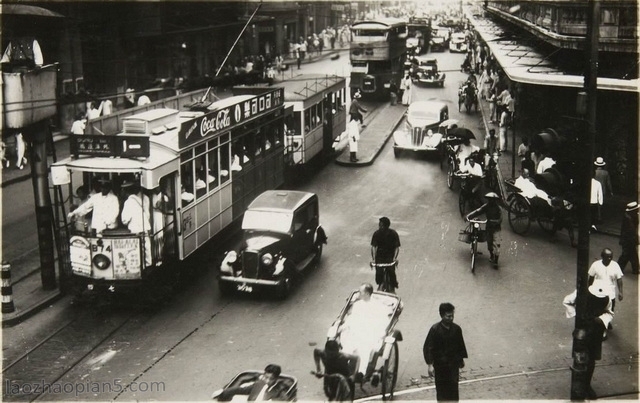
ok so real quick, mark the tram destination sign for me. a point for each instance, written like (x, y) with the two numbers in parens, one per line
(226, 118)
(98, 145)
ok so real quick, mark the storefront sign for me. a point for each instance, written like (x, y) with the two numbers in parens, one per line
(219, 120)
(337, 7)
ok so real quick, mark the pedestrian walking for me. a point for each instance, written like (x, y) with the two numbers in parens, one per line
(355, 108)
(610, 273)
(596, 203)
(597, 318)
(444, 352)
(629, 238)
(406, 94)
(504, 123)
(490, 142)
(393, 92)
(492, 99)
(493, 212)
(602, 175)
(21, 149)
(353, 130)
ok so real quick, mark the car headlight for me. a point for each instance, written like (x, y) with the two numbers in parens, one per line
(267, 259)
(476, 225)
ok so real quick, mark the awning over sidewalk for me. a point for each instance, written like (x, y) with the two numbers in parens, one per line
(524, 64)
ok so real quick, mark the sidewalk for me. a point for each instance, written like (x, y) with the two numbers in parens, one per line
(373, 136)
(613, 208)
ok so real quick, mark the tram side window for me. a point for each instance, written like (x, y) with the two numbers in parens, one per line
(317, 120)
(225, 163)
(239, 154)
(307, 120)
(187, 185)
(297, 124)
(201, 175)
(260, 142)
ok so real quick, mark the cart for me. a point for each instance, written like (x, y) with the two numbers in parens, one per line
(523, 210)
(383, 361)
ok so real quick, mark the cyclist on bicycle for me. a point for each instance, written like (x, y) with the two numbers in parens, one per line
(385, 247)
(494, 220)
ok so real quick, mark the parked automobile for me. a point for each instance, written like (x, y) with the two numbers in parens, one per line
(420, 133)
(427, 72)
(282, 236)
(458, 42)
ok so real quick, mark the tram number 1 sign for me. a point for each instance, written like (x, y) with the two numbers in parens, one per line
(98, 145)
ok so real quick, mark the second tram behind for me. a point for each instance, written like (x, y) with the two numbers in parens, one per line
(377, 54)
(184, 176)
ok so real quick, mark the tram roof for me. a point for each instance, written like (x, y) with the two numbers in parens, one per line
(280, 200)
(307, 85)
(524, 64)
(378, 23)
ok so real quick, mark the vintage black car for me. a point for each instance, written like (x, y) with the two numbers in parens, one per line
(281, 237)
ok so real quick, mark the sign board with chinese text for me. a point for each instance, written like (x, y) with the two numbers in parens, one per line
(98, 145)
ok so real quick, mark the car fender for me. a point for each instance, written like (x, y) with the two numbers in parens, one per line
(320, 235)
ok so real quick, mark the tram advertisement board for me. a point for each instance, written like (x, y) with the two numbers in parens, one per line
(123, 255)
(225, 118)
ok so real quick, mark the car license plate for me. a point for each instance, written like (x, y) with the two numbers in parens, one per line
(245, 288)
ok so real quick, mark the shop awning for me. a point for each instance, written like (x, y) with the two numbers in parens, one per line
(525, 64)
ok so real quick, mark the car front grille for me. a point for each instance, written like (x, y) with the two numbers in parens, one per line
(250, 264)
(416, 136)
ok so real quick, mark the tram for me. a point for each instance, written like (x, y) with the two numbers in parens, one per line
(318, 116)
(192, 173)
(378, 51)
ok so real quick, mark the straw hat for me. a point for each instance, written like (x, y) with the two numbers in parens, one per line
(632, 206)
(599, 162)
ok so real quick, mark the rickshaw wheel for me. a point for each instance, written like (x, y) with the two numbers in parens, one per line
(519, 215)
(546, 223)
(390, 373)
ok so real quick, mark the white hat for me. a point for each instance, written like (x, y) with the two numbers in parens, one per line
(632, 206)
(599, 162)
(599, 289)
(357, 95)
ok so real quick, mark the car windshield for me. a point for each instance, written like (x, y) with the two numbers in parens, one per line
(267, 221)
(422, 114)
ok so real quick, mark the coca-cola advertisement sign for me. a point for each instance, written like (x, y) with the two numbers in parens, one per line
(224, 118)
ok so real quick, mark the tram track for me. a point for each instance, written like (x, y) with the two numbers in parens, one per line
(48, 361)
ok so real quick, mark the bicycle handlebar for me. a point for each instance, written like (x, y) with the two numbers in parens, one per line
(474, 221)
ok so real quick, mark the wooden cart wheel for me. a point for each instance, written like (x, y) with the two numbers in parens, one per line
(390, 373)
(519, 217)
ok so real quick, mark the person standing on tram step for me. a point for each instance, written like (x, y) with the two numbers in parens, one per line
(444, 352)
(355, 108)
(353, 131)
(629, 238)
(136, 215)
(105, 206)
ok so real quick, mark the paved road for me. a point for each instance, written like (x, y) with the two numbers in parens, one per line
(512, 317)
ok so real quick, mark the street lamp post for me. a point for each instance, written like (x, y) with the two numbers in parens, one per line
(587, 108)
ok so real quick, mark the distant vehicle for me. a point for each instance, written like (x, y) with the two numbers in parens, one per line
(427, 72)
(439, 39)
(418, 35)
(458, 43)
(421, 133)
(281, 237)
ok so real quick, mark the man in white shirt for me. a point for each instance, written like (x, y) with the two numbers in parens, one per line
(545, 163)
(597, 198)
(464, 150)
(23, 52)
(610, 273)
(528, 189)
(136, 215)
(105, 206)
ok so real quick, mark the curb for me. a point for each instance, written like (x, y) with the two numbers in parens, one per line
(9, 320)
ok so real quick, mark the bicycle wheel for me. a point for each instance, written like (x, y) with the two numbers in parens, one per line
(390, 373)
(474, 252)
(450, 172)
(462, 203)
(519, 218)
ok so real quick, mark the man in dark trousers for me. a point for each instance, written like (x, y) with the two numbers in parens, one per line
(385, 247)
(339, 386)
(264, 388)
(629, 238)
(444, 352)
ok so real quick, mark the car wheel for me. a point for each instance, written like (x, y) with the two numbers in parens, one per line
(285, 287)
(226, 289)
(396, 152)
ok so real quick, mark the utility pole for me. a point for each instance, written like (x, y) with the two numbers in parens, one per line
(586, 108)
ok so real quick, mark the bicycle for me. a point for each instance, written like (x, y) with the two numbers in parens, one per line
(473, 234)
(386, 285)
(468, 200)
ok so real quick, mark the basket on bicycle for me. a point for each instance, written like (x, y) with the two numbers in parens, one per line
(466, 235)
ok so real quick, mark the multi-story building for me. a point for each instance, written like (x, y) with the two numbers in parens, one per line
(541, 47)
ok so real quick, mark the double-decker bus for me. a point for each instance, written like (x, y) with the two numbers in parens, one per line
(192, 172)
(377, 54)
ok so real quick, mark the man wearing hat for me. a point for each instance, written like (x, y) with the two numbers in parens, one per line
(355, 109)
(602, 175)
(598, 316)
(493, 213)
(629, 238)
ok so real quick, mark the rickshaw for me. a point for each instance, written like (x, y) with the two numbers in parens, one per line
(248, 378)
(468, 95)
(382, 366)
(523, 210)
